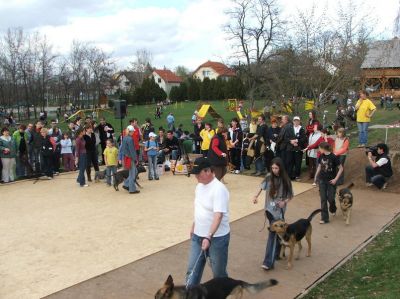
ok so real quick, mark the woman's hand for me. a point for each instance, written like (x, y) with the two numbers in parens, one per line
(281, 204)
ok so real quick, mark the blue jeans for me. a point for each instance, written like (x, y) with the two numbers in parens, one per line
(82, 168)
(362, 133)
(20, 169)
(374, 177)
(218, 254)
(130, 181)
(259, 163)
(110, 171)
(273, 246)
(152, 166)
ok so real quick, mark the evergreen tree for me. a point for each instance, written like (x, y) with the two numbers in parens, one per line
(174, 94)
(193, 89)
(219, 89)
(205, 90)
(183, 92)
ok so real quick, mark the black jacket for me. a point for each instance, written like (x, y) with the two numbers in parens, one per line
(46, 147)
(286, 134)
(196, 131)
(302, 139)
(386, 169)
(216, 160)
(90, 142)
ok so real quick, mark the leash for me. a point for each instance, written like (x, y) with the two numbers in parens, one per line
(194, 267)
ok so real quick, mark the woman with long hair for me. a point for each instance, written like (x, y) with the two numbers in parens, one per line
(278, 193)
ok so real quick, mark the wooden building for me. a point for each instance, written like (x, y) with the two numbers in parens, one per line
(380, 71)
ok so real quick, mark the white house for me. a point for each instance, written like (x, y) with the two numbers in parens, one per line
(213, 70)
(166, 79)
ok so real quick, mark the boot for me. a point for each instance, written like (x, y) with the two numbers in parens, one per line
(96, 176)
(89, 177)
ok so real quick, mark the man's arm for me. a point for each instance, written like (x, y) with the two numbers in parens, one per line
(214, 227)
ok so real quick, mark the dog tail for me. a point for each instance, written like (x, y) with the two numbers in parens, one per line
(350, 185)
(313, 214)
(254, 288)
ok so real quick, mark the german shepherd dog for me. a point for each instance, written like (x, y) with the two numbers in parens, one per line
(346, 202)
(216, 288)
(122, 175)
(292, 234)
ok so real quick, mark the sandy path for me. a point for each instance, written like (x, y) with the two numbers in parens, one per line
(331, 242)
(54, 234)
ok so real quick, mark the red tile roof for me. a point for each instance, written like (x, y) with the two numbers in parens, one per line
(168, 76)
(220, 68)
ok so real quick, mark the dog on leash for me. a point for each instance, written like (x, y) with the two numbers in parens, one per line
(346, 202)
(216, 288)
(122, 175)
(292, 234)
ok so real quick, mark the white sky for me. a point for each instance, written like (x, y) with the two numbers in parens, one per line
(177, 32)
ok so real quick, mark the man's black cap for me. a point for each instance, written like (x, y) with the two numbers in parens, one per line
(200, 164)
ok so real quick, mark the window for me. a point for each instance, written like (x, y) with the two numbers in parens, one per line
(159, 80)
(206, 74)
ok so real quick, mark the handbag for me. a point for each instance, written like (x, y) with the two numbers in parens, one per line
(127, 162)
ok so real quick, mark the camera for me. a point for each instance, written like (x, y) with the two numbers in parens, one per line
(372, 149)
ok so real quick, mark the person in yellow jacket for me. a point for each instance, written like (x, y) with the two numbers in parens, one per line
(206, 134)
(365, 109)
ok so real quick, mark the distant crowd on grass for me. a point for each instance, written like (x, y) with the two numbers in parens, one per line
(235, 145)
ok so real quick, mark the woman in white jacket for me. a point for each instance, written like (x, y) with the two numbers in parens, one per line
(313, 153)
(66, 153)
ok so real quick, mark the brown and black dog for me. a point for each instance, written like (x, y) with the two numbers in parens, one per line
(216, 288)
(292, 234)
(346, 202)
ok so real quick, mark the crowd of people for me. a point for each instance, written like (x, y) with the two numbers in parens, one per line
(276, 146)
(233, 146)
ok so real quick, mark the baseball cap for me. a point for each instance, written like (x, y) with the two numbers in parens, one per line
(200, 164)
(130, 128)
(151, 134)
(296, 118)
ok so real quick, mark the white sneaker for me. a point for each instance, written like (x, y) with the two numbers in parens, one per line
(49, 178)
(86, 185)
(237, 171)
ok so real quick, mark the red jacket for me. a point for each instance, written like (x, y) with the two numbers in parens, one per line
(319, 141)
(136, 138)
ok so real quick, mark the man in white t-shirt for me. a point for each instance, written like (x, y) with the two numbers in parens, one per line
(210, 231)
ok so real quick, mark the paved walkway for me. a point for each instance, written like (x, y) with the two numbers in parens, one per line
(54, 234)
(331, 243)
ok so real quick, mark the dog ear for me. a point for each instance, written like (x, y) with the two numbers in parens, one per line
(169, 281)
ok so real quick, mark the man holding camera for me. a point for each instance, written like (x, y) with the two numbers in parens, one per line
(379, 169)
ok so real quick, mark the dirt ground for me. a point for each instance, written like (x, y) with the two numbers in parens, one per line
(54, 234)
(331, 243)
(354, 171)
(357, 160)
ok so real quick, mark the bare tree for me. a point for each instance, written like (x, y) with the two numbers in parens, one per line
(255, 30)
(141, 67)
(396, 27)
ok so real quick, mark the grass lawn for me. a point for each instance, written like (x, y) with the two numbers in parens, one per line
(372, 273)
